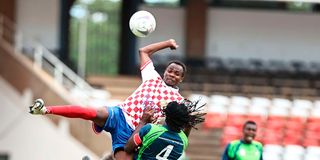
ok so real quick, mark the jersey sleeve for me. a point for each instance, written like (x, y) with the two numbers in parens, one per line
(225, 155)
(148, 71)
(261, 151)
(137, 138)
(144, 130)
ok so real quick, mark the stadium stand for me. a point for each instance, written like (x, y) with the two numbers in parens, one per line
(254, 77)
(287, 128)
(22, 73)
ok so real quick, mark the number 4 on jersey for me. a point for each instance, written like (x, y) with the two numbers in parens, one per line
(164, 154)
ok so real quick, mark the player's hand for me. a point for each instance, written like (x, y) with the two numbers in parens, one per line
(147, 116)
(173, 44)
(38, 107)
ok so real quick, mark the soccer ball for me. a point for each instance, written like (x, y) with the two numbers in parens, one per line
(142, 23)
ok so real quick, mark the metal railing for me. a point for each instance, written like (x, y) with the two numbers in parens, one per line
(47, 61)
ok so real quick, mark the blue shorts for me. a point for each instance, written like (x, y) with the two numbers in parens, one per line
(117, 126)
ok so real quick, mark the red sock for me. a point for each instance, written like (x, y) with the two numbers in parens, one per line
(71, 111)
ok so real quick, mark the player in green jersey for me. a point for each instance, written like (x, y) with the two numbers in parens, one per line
(245, 148)
(167, 141)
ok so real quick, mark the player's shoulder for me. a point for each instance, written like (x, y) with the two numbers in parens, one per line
(257, 143)
(147, 65)
(157, 127)
(235, 142)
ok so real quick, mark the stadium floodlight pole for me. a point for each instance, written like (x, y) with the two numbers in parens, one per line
(83, 44)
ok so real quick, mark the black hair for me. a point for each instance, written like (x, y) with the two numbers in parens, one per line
(184, 67)
(249, 122)
(181, 115)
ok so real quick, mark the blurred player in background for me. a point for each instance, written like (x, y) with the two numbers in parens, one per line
(167, 141)
(246, 148)
(121, 120)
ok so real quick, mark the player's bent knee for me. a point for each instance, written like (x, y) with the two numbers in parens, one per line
(102, 116)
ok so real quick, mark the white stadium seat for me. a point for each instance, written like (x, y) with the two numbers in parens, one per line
(240, 101)
(281, 102)
(219, 100)
(260, 102)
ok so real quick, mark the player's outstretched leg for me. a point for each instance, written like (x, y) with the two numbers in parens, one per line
(38, 107)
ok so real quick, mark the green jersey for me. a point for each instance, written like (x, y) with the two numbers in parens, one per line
(159, 143)
(237, 150)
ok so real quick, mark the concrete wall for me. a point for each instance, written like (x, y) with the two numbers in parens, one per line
(39, 20)
(170, 25)
(263, 35)
(231, 33)
(234, 33)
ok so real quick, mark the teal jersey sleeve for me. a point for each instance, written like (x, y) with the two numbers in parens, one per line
(144, 130)
(225, 153)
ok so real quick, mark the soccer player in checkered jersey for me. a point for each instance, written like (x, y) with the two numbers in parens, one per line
(121, 120)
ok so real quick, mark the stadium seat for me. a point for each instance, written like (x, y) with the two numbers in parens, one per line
(316, 104)
(311, 157)
(215, 63)
(219, 100)
(288, 156)
(258, 67)
(195, 97)
(240, 101)
(312, 132)
(230, 133)
(234, 65)
(295, 152)
(298, 112)
(313, 124)
(272, 137)
(295, 126)
(258, 110)
(258, 114)
(281, 102)
(272, 152)
(312, 137)
(236, 116)
(216, 116)
(259, 119)
(302, 103)
(269, 156)
(260, 102)
(302, 69)
(315, 112)
(275, 125)
(292, 138)
(310, 142)
(280, 68)
(294, 149)
(273, 148)
(315, 69)
(313, 150)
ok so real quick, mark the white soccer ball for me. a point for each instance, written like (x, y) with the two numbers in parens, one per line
(142, 23)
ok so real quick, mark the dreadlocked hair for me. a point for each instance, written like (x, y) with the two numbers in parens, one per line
(181, 115)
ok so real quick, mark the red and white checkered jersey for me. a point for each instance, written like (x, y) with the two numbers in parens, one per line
(152, 92)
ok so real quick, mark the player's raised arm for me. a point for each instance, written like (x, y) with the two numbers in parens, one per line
(147, 51)
(135, 140)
